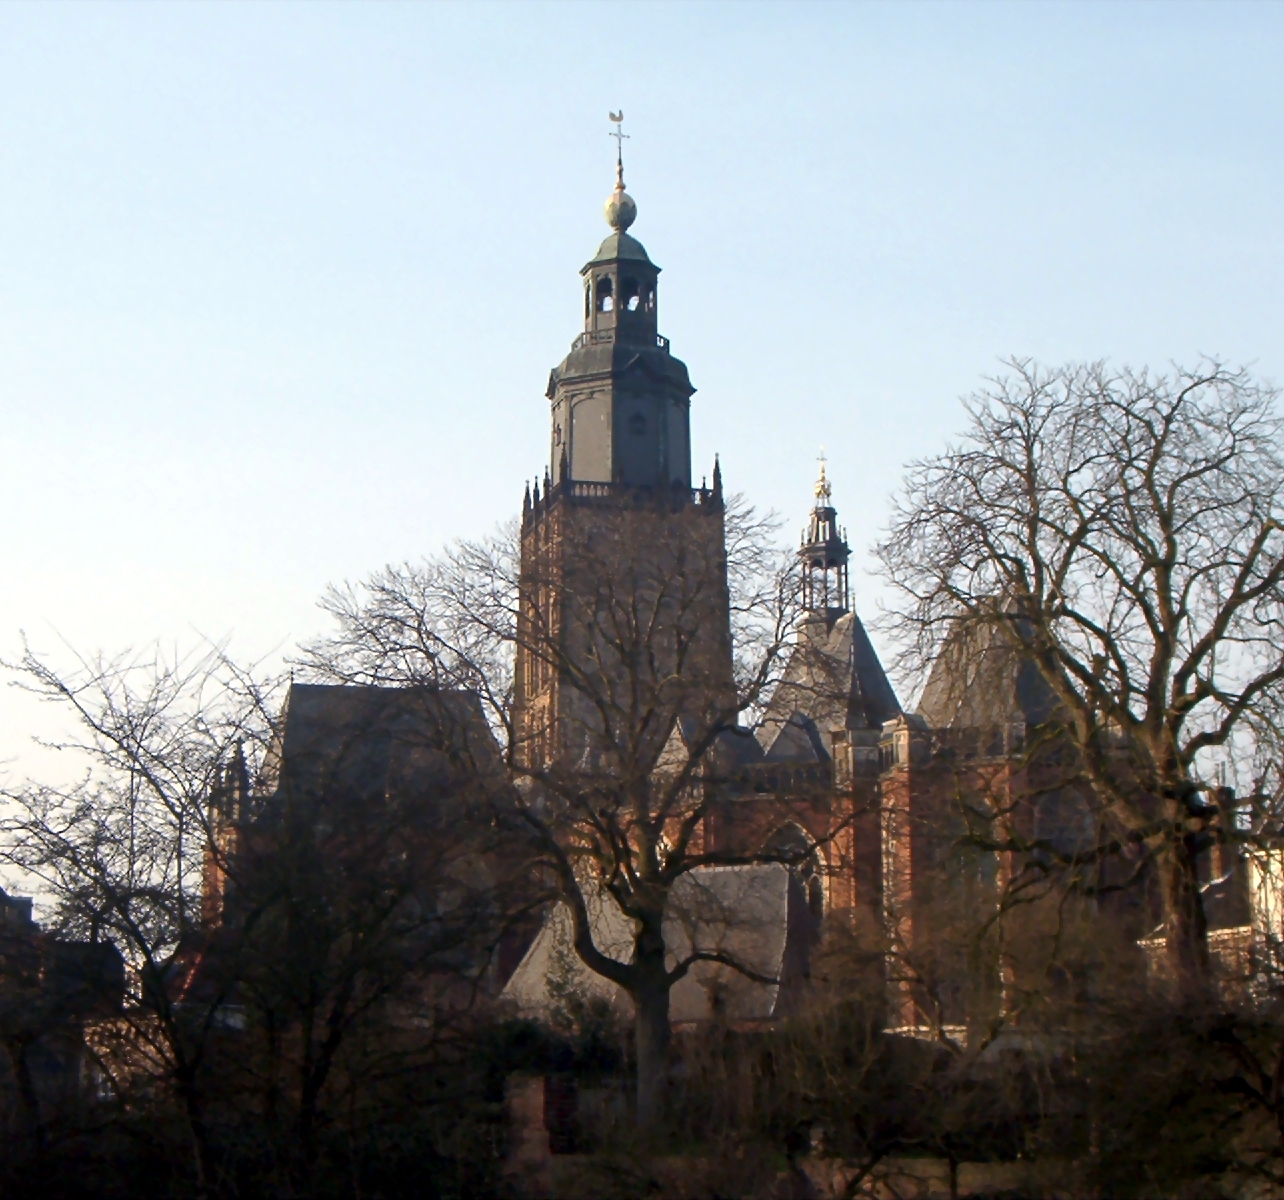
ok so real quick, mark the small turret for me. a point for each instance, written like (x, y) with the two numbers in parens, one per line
(824, 554)
(237, 783)
(228, 807)
(620, 280)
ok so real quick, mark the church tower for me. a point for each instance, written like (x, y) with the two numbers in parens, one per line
(621, 403)
(617, 487)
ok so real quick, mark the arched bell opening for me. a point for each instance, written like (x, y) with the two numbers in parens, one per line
(605, 294)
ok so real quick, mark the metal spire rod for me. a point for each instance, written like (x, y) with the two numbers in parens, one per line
(619, 135)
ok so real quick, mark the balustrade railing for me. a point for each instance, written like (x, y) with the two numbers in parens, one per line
(591, 490)
(603, 337)
(622, 494)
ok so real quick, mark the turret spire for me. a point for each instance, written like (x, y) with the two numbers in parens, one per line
(824, 554)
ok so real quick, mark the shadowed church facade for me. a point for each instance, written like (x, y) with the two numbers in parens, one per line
(906, 871)
(833, 751)
(874, 799)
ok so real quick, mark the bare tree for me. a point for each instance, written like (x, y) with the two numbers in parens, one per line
(299, 921)
(1120, 531)
(618, 688)
(119, 854)
(370, 890)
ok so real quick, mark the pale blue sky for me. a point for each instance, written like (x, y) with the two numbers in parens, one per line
(280, 285)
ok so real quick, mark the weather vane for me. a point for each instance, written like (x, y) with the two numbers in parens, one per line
(619, 135)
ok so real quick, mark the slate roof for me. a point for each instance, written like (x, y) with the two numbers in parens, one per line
(735, 747)
(738, 747)
(368, 741)
(757, 915)
(978, 681)
(833, 680)
(617, 246)
(615, 358)
(799, 739)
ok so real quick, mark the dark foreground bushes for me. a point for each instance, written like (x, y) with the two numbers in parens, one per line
(1158, 1105)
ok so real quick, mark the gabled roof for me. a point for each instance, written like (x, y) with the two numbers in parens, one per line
(738, 747)
(798, 740)
(833, 680)
(732, 747)
(980, 681)
(756, 915)
(366, 741)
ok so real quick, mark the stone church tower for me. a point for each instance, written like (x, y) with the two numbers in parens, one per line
(617, 508)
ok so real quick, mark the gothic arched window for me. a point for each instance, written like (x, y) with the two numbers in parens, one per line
(791, 842)
(605, 294)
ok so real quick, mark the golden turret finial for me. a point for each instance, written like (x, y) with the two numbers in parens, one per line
(823, 491)
(621, 212)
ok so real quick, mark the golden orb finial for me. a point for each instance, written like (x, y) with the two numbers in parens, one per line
(621, 211)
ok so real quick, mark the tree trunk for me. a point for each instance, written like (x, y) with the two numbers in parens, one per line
(314, 1078)
(306, 1163)
(196, 1127)
(651, 1005)
(30, 1101)
(1185, 923)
